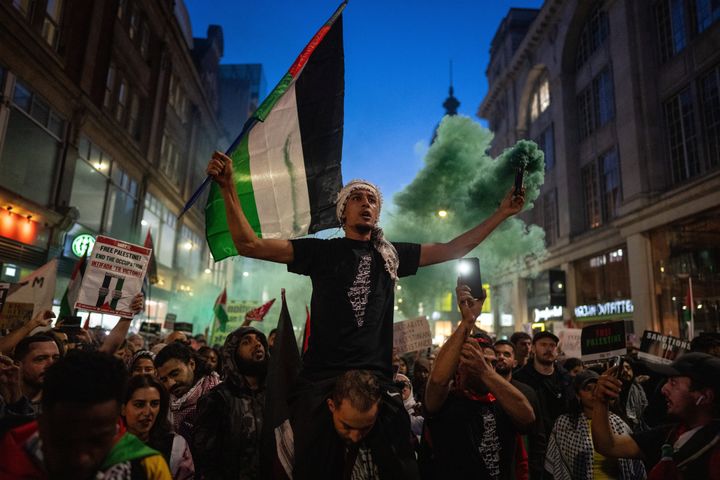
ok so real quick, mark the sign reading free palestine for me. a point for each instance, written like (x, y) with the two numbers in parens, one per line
(603, 341)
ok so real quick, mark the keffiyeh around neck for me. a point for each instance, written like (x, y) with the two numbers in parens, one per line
(377, 237)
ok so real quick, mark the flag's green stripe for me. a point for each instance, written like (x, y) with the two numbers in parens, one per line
(264, 109)
(216, 227)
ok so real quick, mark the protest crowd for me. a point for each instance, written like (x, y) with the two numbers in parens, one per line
(79, 403)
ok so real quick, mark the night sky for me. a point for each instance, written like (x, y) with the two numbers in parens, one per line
(397, 57)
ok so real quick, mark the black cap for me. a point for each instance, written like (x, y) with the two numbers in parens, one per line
(545, 334)
(696, 365)
(583, 378)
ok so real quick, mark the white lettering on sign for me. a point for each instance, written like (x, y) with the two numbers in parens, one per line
(411, 335)
(603, 309)
(547, 312)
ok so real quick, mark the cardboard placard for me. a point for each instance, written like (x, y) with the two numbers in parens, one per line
(114, 275)
(15, 315)
(603, 341)
(662, 349)
(37, 288)
(411, 335)
(570, 341)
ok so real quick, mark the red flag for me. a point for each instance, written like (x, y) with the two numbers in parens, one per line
(257, 314)
(86, 325)
(306, 335)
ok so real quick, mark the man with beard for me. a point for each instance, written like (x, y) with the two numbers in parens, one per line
(186, 376)
(226, 438)
(687, 449)
(35, 355)
(473, 414)
(551, 382)
(536, 437)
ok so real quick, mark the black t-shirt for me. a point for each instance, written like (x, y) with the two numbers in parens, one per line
(554, 392)
(352, 304)
(469, 439)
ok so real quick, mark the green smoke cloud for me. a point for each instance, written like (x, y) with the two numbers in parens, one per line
(462, 179)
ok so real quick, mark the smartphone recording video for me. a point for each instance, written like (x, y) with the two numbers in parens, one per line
(469, 269)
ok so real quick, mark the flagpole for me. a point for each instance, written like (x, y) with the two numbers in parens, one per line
(691, 329)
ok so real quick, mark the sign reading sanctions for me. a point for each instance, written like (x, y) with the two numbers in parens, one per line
(602, 341)
(113, 277)
(411, 335)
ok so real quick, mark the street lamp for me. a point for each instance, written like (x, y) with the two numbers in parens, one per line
(442, 213)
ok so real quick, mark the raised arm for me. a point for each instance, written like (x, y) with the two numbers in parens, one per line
(448, 356)
(8, 342)
(246, 242)
(606, 442)
(116, 336)
(432, 253)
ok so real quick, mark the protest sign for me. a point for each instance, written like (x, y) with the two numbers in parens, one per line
(186, 327)
(170, 319)
(38, 288)
(411, 335)
(150, 328)
(4, 289)
(569, 341)
(662, 349)
(15, 315)
(114, 275)
(603, 341)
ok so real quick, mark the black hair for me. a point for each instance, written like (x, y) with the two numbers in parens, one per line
(572, 362)
(161, 428)
(182, 352)
(517, 336)
(205, 349)
(25, 345)
(360, 387)
(84, 377)
(274, 330)
(705, 342)
(508, 343)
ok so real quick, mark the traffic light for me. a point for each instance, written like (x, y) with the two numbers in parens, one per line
(557, 288)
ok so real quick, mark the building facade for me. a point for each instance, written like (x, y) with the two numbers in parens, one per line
(624, 99)
(108, 117)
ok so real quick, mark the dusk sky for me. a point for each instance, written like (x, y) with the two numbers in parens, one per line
(397, 58)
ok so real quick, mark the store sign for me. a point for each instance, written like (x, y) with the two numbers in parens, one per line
(547, 312)
(82, 243)
(603, 309)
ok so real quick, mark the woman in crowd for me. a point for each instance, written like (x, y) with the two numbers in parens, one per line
(570, 453)
(142, 363)
(145, 412)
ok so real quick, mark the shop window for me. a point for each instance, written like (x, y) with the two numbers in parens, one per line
(672, 38)
(603, 277)
(707, 12)
(160, 221)
(90, 184)
(51, 22)
(682, 139)
(122, 202)
(188, 251)
(710, 86)
(593, 35)
(32, 144)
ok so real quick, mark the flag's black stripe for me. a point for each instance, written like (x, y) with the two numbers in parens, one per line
(320, 93)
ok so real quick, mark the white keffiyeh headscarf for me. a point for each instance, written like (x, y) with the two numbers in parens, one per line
(385, 248)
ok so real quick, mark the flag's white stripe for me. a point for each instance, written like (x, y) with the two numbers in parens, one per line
(281, 215)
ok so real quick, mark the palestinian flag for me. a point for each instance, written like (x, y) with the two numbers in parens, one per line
(220, 309)
(287, 158)
(257, 314)
(151, 274)
(73, 289)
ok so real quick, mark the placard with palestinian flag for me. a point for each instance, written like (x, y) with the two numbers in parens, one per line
(287, 159)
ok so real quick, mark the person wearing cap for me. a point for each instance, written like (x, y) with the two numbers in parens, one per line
(550, 381)
(473, 414)
(687, 449)
(570, 453)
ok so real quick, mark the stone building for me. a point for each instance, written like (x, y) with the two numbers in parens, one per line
(624, 98)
